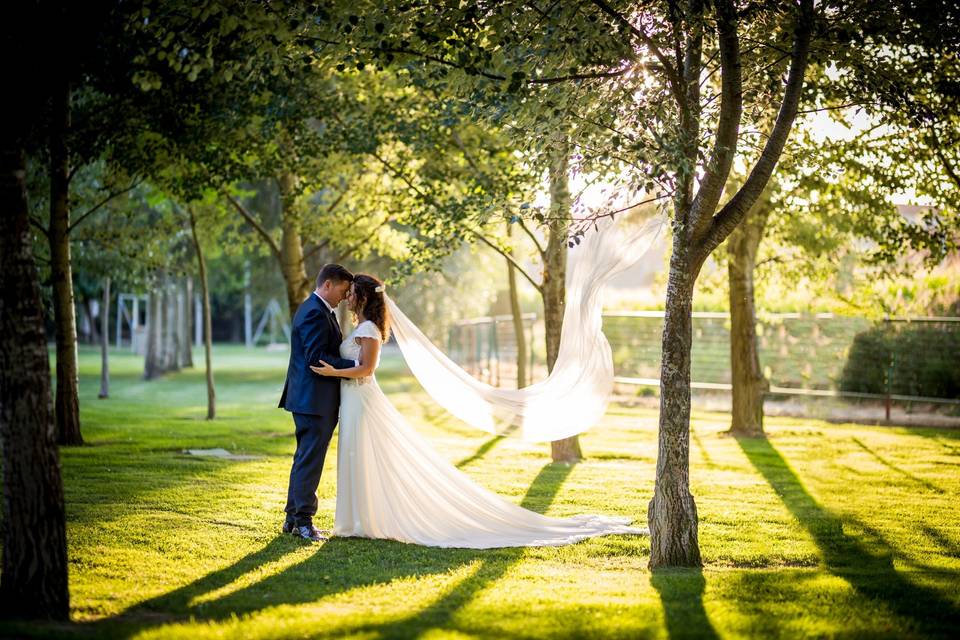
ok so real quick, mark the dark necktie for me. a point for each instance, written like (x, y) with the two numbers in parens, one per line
(336, 323)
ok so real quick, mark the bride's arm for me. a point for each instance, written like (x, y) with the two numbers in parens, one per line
(369, 350)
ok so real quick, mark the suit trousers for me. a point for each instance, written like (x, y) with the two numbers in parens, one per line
(313, 438)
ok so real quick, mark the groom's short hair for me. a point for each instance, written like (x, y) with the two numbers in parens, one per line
(333, 272)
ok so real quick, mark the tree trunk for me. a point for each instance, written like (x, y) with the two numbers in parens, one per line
(163, 349)
(698, 229)
(33, 576)
(186, 330)
(517, 314)
(747, 379)
(553, 289)
(291, 248)
(178, 317)
(92, 336)
(672, 514)
(207, 321)
(152, 366)
(105, 341)
(171, 347)
(67, 399)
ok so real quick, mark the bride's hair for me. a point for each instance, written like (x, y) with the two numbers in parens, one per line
(370, 303)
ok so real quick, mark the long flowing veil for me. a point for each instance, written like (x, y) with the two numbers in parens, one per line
(575, 394)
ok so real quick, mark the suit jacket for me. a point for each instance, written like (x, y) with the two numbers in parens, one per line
(315, 336)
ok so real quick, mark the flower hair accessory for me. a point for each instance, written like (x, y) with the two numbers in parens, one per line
(379, 288)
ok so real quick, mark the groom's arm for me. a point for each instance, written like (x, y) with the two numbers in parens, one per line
(313, 334)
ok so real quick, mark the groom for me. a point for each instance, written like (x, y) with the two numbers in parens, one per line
(314, 400)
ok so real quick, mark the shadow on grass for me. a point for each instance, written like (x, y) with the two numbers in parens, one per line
(681, 593)
(485, 448)
(949, 444)
(870, 573)
(948, 546)
(889, 465)
(493, 565)
(338, 565)
(707, 460)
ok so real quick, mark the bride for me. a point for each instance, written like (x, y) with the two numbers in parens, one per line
(392, 484)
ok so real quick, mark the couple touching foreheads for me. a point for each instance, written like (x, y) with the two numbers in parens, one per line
(390, 481)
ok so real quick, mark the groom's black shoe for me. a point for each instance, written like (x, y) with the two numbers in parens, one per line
(287, 526)
(309, 532)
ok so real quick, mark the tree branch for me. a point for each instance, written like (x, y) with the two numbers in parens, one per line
(349, 250)
(480, 72)
(97, 206)
(673, 75)
(733, 211)
(728, 126)
(73, 172)
(433, 202)
(333, 205)
(39, 225)
(466, 154)
(316, 248)
(274, 249)
(836, 108)
(506, 254)
(610, 214)
(536, 243)
(336, 202)
(691, 109)
(760, 43)
(947, 165)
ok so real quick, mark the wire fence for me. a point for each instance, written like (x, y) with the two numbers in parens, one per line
(487, 347)
(894, 359)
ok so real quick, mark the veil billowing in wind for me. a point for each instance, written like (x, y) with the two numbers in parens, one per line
(575, 394)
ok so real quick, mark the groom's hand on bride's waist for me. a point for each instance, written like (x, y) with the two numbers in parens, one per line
(322, 369)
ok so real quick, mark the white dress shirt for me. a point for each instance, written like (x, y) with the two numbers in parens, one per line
(356, 363)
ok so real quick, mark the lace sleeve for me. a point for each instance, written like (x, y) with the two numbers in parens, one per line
(367, 329)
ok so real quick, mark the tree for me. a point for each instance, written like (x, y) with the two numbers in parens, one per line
(94, 105)
(747, 379)
(517, 316)
(207, 320)
(891, 83)
(33, 578)
(45, 123)
(300, 184)
(69, 137)
(488, 166)
(647, 106)
(105, 341)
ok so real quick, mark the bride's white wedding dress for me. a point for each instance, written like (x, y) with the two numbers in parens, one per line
(392, 484)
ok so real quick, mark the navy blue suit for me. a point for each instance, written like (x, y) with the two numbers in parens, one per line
(314, 401)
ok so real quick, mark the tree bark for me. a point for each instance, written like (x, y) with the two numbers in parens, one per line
(747, 379)
(171, 346)
(698, 229)
(517, 315)
(33, 576)
(207, 320)
(291, 248)
(152, 366)
(553, 288)
(105, 341)
(178, 316)
(67, 399)
(186, 328)
(672, 513)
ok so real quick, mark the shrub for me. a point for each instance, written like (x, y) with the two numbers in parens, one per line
(921, 359)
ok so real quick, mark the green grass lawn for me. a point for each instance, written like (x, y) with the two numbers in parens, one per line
(819, 530)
